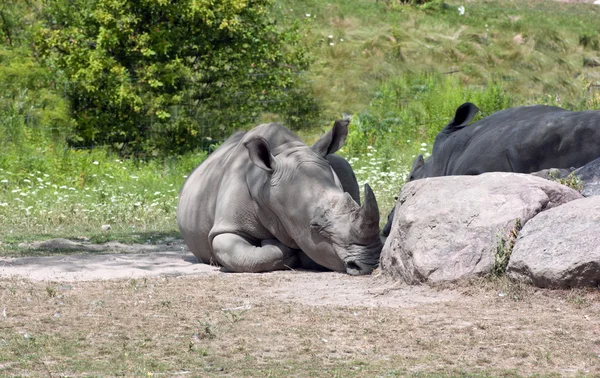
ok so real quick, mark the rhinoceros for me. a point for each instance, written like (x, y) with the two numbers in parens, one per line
(265, 201)
(524, 139)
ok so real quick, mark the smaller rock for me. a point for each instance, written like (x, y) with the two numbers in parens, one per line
(591, 62)
(559, 247)
(105, 227)
(518, 39)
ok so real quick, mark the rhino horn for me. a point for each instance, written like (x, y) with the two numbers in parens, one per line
(368, 215)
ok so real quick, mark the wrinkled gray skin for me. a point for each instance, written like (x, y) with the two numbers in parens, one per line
(264, 195)
(522, 139)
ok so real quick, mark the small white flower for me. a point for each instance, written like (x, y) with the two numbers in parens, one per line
(461, 10)
(3, 204)
(408, 141)
(369, 147)
(341, 39)
(423, 149)
(27, 180)
(95, 163)
(423, 144)
(4, 181)
(331, 43)
(156, 193)
(330, 36)
(308, 15)
(71, 188)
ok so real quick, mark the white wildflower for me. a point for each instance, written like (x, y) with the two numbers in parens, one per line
(461, 10)
(308, 15)
(27, 180)
(95, 163)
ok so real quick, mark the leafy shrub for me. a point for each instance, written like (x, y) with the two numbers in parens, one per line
(152, 77)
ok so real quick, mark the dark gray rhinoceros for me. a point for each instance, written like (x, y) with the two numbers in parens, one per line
(264, 201)
(523, 139)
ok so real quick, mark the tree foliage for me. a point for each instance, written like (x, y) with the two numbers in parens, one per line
(146, 76)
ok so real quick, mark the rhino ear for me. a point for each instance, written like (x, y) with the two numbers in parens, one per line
(416, 168)
(464, 114)
(333, 140)
(260, 153)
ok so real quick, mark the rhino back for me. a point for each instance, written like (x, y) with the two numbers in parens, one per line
(524, 140)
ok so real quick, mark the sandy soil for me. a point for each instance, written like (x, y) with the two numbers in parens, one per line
(322, 288)
(161, 313)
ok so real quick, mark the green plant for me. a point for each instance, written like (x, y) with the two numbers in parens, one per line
(572, 181)
(51, 291)
(504, 249)
(207, 330)
(155, 77)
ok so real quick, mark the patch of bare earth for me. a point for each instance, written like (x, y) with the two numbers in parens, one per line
(293, 324)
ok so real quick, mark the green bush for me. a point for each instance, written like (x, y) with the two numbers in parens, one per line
(154, 77)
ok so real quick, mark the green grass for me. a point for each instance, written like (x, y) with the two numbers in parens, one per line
(383, 40)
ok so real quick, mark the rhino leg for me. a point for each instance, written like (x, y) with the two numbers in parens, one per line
(236, 254)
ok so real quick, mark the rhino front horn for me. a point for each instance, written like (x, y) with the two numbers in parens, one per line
(369, 213)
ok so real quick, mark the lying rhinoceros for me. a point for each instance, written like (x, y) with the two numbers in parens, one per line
(523, 139)
(264, 198)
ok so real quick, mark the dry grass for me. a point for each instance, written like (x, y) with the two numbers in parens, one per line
(258, 325)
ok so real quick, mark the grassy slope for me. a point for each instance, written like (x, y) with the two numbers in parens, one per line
(381, 41)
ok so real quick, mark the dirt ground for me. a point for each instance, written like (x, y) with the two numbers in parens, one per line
(160, 313)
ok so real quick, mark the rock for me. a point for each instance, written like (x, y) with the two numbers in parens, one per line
(105, 227)
(447, 228)
(518, 39)
(590, 175)
(591, 62)
(560, 248)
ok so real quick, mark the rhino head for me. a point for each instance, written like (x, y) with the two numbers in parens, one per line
(302, 203)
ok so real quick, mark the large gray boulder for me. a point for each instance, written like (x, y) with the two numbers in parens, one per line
(447, 228)
(560, 248)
